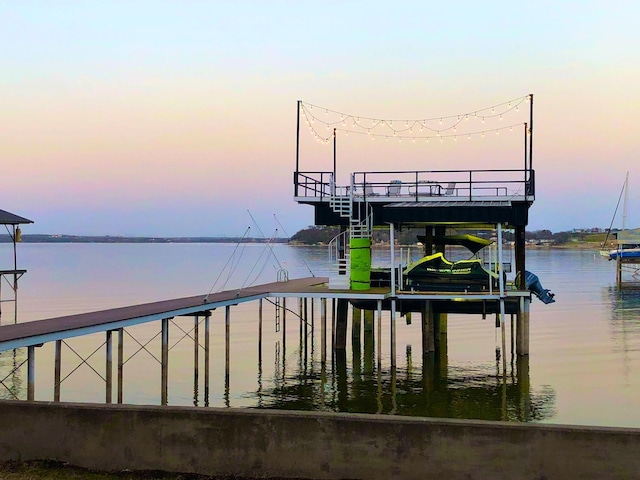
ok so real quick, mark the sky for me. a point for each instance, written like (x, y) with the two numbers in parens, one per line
(158, 118)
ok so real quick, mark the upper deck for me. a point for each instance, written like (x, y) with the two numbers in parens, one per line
(427, 196)
(479, 197)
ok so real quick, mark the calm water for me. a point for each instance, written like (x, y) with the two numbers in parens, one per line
(583, 367)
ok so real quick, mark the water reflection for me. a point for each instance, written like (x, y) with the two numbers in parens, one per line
(11, 382)
(420, 387)
(625, 313)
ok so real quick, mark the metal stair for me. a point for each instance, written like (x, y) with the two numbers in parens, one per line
(360, 226)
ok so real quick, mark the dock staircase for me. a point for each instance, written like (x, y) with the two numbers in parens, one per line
(360, 215)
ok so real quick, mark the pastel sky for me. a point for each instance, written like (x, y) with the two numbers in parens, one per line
(179, 118)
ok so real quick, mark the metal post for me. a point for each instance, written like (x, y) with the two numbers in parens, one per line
(379, 334)
(227, 346)
(196, 359)
(284, 321)
(393, 332)
(227, 339)
(301, 315)
(295, 183)
(206, 359)
(57, 370)
(164, 382)
(333, 325)
(31, 372)
(392, 240)
(15, 278)
(120, 362)
(109, 367)
(531, 131)
(260, 330)
(323, 330)
(335, 180)
(502, 310)
(306, 318)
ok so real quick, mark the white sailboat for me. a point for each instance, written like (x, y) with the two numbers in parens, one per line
(627, 241)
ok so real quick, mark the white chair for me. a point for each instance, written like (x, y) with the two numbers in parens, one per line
(394, 188)
(451, 187)
(368, 190)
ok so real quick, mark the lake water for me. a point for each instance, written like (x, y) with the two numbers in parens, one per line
(583, 367)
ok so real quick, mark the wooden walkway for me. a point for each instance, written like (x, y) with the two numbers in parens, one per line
(42, 331)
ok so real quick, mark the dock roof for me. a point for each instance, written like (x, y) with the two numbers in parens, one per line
(8, 218)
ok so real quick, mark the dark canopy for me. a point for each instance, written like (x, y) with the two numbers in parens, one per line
(8, 218)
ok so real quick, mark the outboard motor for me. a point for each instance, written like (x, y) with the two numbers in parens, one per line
(532, 283)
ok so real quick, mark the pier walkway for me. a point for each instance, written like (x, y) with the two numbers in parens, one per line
(47, 330)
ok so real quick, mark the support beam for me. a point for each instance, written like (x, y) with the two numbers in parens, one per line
(31, 372)
(341, 324)
(164, 381)
(323, 330)
(379, 335)
(196, 359)
(522, 327)
(108, 367)
(120, 362)
(369, 343)
(519, 246)
(227, 340)
(356, 325)
(428, 329)
(284, 322)
(206, 359)
(260, 330)
(57, 370)
(393, 332)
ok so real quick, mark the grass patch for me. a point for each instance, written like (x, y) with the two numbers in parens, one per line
(52, 470)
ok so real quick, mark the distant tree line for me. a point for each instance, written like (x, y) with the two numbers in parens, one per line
(319, 235)
(45, 238)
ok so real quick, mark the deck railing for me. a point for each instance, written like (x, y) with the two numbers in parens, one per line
(422, 184)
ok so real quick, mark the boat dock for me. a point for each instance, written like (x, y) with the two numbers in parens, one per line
(440, 204)
(432, 306)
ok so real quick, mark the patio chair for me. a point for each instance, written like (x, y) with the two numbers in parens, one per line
(393, 189)
(368, 190)
(451, 188)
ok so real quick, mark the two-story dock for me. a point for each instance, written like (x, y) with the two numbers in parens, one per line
(442, 204)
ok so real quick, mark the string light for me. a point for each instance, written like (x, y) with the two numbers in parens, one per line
(405, 128)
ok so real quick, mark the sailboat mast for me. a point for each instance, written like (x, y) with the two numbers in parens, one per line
(624, 205)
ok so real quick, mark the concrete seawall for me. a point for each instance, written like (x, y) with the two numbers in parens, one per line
(267, 443)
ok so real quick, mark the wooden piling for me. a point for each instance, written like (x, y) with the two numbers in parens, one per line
(428, 329)
(341, 324)
(522, 327)
(369, 343)
(356, 325)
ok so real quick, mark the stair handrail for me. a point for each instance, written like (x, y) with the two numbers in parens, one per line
(334, 246)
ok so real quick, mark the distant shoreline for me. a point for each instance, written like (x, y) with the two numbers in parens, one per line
(45, 238)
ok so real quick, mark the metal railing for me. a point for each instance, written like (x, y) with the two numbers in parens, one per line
(422, 184)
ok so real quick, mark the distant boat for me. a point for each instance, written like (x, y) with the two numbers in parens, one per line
(627, 240)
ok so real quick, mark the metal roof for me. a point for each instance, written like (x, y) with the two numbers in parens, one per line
(453, 203)
(8, 218)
